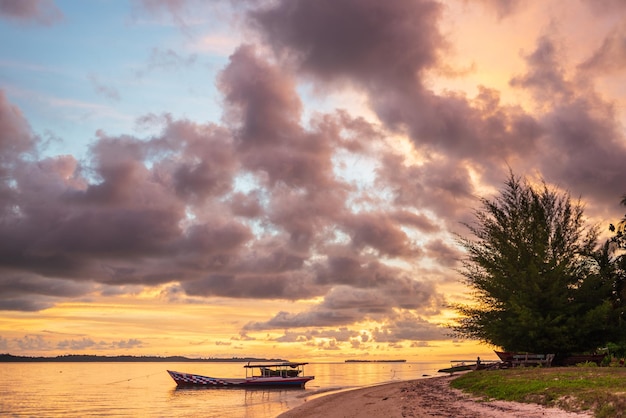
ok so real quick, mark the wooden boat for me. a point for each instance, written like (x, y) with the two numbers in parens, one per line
(525, 359)
(583, 358)
(505, 356)
(465, 365)
(279, 375)
(458, 368)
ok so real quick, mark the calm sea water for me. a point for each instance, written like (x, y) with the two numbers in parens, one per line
(146, 390)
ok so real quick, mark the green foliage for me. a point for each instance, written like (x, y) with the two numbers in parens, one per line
(587, 364)
(620, 230)
(534, 275)
(574, 389)
(616, 350)
(612, 261)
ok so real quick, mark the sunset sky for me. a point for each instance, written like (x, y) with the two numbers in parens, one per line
(283, 178)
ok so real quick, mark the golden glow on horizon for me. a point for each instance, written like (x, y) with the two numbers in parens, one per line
(192, 330)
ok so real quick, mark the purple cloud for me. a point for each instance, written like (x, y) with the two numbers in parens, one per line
(41, 12)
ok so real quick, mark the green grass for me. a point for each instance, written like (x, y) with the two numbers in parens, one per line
(601, 390)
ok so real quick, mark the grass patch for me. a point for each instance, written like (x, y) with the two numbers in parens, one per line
(601, 390)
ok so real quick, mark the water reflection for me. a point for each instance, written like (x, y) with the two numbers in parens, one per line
(145, 389)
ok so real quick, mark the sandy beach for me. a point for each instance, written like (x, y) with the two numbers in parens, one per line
(431, 397)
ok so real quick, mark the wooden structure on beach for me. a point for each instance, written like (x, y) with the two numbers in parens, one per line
(465, 365)
(525, 359)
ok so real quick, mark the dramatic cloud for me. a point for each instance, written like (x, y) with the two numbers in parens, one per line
(583, 142)
(365, 41)
(348, 150)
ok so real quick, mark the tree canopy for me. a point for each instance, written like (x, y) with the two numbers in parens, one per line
(612, 259)
(620, 229)
(534, 275)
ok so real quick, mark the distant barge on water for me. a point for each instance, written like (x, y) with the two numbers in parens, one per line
(375, 361)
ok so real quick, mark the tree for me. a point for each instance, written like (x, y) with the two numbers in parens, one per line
(531, 267)
(620, 230)
(612, 259)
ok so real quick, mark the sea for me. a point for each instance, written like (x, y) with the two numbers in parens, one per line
(115, 389)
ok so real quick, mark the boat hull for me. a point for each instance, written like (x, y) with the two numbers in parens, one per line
(505, 355)
(196, 380)
(454, 369)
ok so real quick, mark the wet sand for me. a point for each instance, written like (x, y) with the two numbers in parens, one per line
(431, 397)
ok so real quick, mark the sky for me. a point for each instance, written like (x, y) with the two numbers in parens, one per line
(283, 178)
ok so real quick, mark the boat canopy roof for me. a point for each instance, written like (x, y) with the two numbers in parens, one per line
(287, 364)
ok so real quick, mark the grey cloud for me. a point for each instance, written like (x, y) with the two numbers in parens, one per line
(610, 57)
(291, 337)
(166, 60)
(253, 207)
(406, 41)
(398, 327)
(546, 75)
(38, 342)
(104, 90)
(25, 304)
(247, 205)
(114, 220)
(503, 8)
(129, 343)
(344, 305)
(290, 285)
(317, 318)
(604, 7)
(81, 344)
(169, 59)
(353, 270)
(353, 38)
(305, 216)
(421, 222)
(328, 345)
(442, 187)
(378, 231)
(214, 238)
(587, 152)
(390, 292)
(41, 12)
(166, 208)
(479, 132)
(17, 138)
(261, 101)
(409, 327)
(444, 253)
(12, 284)
(340, 335)
(583, 146)
(33, 342)
(462, 130)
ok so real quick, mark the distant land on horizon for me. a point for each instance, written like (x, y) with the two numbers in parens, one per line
(77, 358)
(374, 361)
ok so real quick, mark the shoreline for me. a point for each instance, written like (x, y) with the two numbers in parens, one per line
(431, 397)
